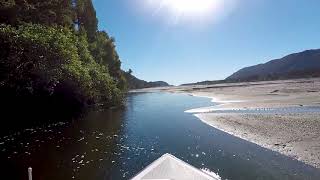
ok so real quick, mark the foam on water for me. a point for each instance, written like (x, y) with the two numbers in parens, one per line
(211, 173)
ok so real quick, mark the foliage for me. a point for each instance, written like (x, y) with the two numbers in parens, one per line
(39, 60)
(46, 12)
(86, 18)
(104, 52)
(54, 61)
(129, 71)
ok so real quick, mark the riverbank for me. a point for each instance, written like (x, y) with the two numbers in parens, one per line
(296, 135)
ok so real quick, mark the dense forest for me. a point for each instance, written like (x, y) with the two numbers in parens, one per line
(54, 48)
(53, 56)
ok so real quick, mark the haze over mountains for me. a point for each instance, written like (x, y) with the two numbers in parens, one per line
(298, 65)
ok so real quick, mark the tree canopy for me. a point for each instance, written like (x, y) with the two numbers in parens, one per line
(53, 48)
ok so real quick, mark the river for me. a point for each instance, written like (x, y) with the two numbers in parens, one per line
(118, 143)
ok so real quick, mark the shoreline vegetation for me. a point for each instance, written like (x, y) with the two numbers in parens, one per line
(295, 134)
(55, 48)
(55, 63)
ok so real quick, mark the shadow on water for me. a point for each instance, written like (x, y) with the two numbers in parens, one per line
(62, 150)
(117, 144)
(20, 112)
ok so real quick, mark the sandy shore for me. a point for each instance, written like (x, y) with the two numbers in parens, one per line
(294, 134)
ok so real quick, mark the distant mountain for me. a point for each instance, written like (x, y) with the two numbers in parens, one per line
(204, 83)
(299, 65)
(135, 83)
(158, 84)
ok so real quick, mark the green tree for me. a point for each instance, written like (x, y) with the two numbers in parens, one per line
(53, 49)
(42, 60)
(103, 50)
(50, 12)
(86, 18)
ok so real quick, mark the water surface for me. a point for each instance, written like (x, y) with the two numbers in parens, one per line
(117, 144)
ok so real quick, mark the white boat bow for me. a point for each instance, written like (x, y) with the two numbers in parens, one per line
(169, 167)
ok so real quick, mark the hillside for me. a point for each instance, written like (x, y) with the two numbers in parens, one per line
(135, 83)
(299, 65)
(204, 83)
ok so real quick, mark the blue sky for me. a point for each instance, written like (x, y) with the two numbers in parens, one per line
(158, 46)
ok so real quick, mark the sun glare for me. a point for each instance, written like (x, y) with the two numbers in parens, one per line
(199, 11)
(190, 7)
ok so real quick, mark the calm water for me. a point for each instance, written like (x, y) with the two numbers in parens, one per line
(117, 144)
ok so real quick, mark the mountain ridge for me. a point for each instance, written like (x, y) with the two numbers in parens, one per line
(297, 65)
(305, 64)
